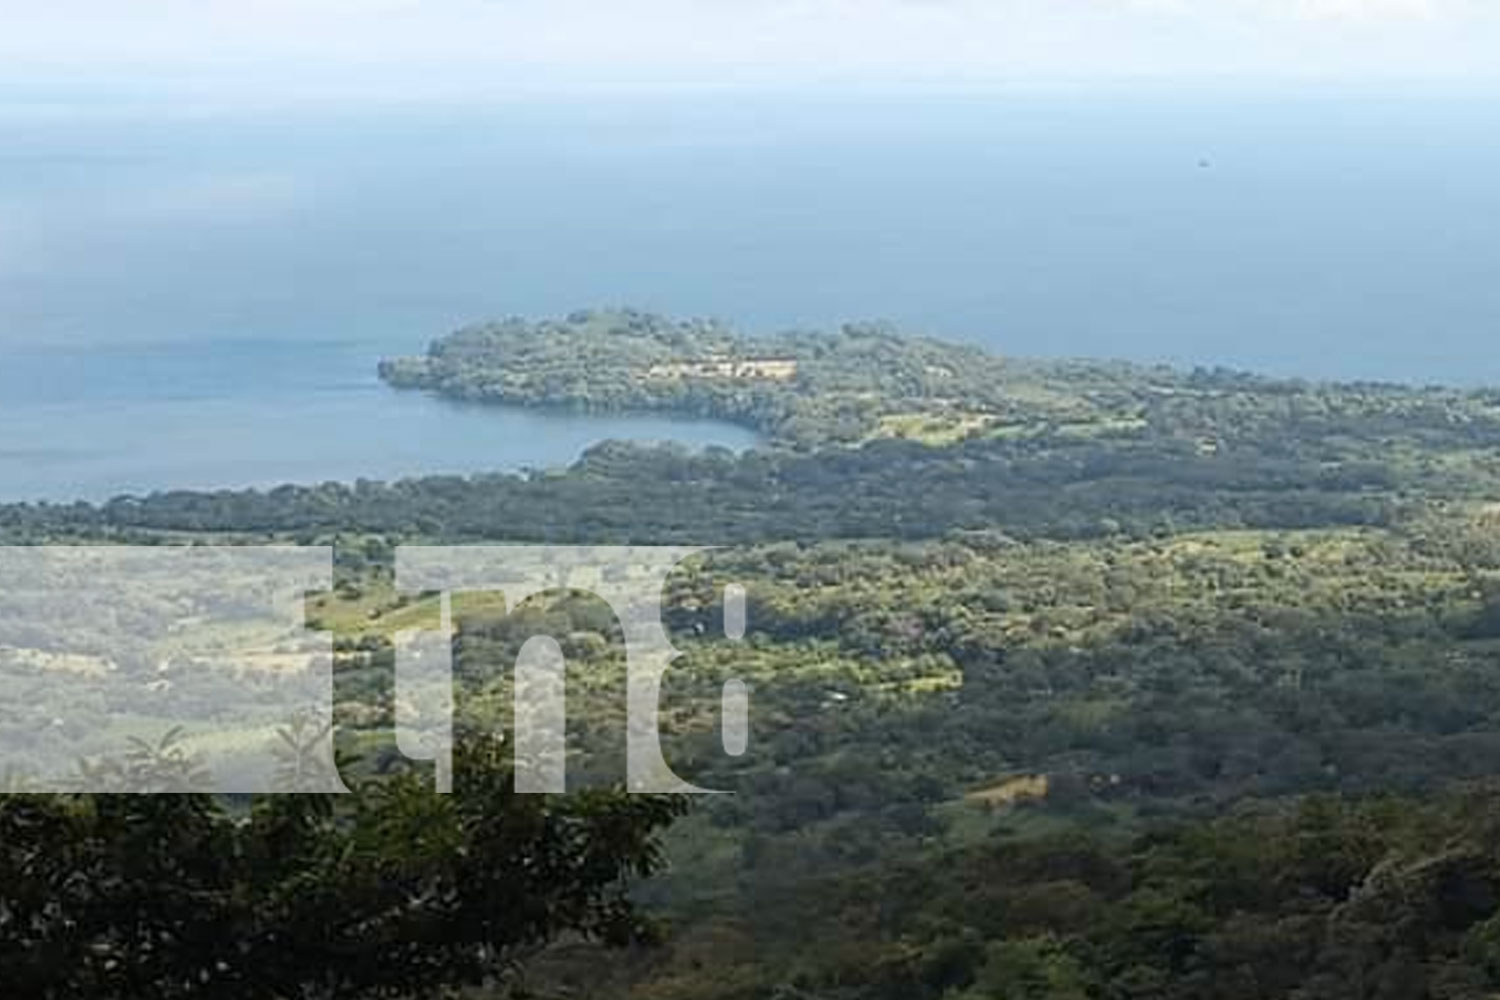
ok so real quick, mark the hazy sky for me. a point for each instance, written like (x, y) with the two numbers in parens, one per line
(416, 47)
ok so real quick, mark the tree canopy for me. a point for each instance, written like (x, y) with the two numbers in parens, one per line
(394, 891)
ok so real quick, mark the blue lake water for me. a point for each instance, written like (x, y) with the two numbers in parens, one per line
(96, 423)
(198, 300)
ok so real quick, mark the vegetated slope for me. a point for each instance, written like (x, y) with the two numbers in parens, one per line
(1070, 679)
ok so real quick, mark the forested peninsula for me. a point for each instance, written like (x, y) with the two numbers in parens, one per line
(872, 433)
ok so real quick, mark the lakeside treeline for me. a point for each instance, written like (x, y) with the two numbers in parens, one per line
(874, 434)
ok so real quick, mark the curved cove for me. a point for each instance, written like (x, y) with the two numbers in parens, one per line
(92, 424)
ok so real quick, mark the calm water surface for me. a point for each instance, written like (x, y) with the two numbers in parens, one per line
(199, 300)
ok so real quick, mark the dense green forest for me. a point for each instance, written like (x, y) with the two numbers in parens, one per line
(1070, 679)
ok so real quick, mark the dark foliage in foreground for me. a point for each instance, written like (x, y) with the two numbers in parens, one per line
(396, 892)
